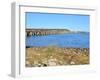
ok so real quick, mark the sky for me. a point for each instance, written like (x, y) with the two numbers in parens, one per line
(72, 22)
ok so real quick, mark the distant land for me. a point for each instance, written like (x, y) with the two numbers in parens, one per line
(34, 31)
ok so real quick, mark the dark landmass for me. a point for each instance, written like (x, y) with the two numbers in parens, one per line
(40, 32)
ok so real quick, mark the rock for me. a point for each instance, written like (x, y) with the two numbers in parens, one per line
(72, 62)
(39, 65)
(52, 62)
(27, 62)
(45, 65)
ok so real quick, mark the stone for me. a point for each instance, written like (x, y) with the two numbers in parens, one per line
(52, 62)
(72, 62)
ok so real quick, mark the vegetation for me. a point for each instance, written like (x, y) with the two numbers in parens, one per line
(56, 56)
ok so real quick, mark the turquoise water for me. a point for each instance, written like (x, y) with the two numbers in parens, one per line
(71, 40)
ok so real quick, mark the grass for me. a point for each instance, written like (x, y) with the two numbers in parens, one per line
(55, 56)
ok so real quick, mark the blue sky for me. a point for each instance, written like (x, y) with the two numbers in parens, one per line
(57, 21)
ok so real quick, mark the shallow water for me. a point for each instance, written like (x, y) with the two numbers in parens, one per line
(74, 40)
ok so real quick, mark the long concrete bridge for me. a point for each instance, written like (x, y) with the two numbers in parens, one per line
(40, 32)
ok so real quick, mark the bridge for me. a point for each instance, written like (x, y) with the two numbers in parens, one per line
(40, 32)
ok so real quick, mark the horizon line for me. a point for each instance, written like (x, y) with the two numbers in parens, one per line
(59, 28)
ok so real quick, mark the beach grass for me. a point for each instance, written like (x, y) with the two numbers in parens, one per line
(56, 56)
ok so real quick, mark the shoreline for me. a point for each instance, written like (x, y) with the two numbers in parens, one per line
(41, 32)
(57, 47)
(56, 56)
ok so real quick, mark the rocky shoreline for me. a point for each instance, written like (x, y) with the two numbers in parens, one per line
(56, 56)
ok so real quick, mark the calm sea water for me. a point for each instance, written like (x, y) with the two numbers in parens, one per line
(75, 40)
